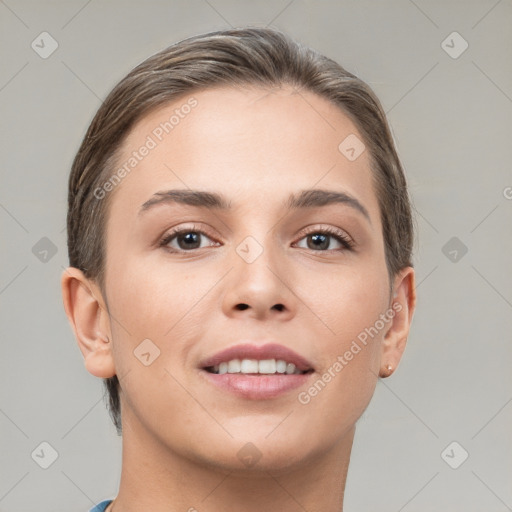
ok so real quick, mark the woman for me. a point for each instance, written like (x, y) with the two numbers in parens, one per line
(240, 238)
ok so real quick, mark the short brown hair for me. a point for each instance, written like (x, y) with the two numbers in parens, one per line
(237, 57)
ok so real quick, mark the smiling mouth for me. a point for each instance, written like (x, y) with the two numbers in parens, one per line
(256, 367)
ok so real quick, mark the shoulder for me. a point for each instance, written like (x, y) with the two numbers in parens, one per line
(100, 507)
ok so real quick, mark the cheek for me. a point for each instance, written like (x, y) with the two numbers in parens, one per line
(148, 302)
(147, 295)
(347, 309)
(167, 304)
(344, 302)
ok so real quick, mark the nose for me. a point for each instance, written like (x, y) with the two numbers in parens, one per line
(259, 285)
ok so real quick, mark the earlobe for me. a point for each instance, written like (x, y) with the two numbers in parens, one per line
(87, 314)
(403, 305)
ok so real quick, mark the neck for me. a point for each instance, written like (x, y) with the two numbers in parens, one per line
(157, 479)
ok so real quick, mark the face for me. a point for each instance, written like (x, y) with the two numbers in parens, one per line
(245, 269)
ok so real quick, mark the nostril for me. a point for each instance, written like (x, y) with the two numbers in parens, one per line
(242, 306)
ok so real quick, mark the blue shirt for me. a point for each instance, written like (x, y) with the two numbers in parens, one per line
(100, 507)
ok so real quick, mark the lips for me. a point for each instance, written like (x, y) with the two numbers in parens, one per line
(242, 381)
(258, 352)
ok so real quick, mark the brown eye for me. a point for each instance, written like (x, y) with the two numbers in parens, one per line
(318, 241)
(185, 240)
(189, 240)
(325, 239)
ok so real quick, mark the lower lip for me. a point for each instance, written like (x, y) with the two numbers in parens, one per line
(257, 387)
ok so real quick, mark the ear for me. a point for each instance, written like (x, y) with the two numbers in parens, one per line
(88, 315)
(403, 304)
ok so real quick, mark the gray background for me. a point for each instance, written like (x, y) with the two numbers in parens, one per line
(451, 121)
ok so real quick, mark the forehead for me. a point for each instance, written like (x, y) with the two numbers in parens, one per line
(252, 144)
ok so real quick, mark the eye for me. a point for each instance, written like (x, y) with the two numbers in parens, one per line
(320, 240)
(185, 239)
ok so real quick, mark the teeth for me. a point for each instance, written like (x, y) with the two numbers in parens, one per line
(290, 368)
(249, 366)
(234, 366)
(265, 366)
(280, 366)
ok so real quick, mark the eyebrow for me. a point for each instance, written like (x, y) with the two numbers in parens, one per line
(311, 198)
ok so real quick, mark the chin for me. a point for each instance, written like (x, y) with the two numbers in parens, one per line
(261, 453)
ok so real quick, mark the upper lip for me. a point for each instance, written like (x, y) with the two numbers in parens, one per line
(251, 351)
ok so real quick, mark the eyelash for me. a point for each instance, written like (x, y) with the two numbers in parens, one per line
(341, 237)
